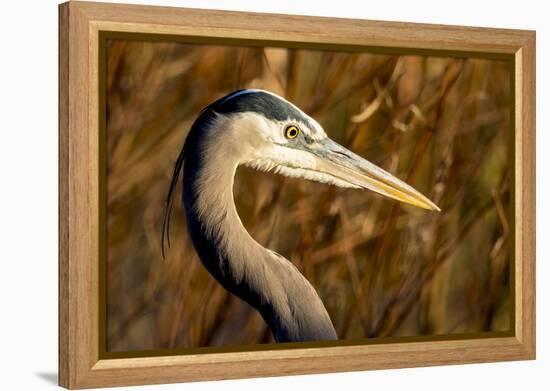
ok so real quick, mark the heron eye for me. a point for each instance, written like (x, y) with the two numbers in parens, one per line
(292, 132)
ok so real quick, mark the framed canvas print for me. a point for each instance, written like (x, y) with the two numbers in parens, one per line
(251, 195)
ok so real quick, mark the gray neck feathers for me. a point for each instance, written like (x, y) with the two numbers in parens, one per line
(264, 279)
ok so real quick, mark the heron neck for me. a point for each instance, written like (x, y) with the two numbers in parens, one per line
(223, 244)
(241, 265)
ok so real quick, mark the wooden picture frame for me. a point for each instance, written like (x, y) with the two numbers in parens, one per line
(80, 164)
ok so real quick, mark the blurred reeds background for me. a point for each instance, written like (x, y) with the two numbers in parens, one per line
(381, 268)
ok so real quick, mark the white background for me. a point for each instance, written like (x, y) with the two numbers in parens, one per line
(28, 194)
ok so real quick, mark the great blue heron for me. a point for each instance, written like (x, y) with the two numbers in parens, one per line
(262, 130)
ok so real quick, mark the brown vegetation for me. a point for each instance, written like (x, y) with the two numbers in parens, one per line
(381, 268)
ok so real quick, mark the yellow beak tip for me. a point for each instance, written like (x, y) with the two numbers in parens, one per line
(434, 207)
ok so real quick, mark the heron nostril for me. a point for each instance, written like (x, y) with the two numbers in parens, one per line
(343, 154)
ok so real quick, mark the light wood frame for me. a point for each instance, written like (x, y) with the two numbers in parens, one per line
(80, 365)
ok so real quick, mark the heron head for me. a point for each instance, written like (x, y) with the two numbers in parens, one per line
(272, 134)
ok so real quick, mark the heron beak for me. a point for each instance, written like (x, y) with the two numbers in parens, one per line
(341, 163)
